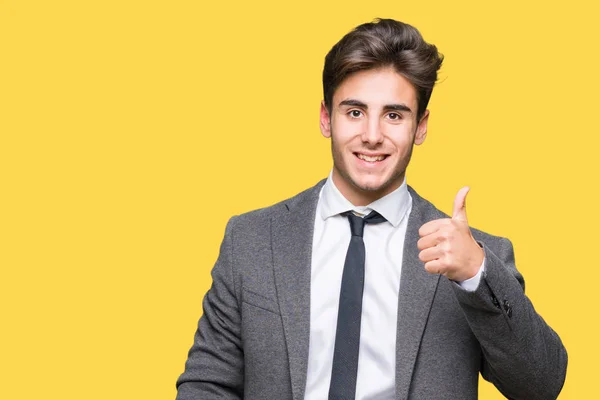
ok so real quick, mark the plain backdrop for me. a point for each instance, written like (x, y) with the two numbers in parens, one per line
(131, 131)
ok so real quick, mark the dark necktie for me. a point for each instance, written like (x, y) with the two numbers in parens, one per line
(347, 336)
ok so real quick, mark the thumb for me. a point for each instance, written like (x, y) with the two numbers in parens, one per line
(459, 211)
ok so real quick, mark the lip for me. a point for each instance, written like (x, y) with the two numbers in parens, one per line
(370, 164)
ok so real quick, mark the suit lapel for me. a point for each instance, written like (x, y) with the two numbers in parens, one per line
(417, 289)
(292, 236)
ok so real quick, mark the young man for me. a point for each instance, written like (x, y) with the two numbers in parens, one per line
(358, 287)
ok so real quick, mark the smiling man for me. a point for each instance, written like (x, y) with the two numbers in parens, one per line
(359, 288)
(373, 114)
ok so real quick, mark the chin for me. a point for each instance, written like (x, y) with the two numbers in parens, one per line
(377, 183)
(370, 185)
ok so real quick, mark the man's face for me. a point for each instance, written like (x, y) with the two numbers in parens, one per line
(372, 126)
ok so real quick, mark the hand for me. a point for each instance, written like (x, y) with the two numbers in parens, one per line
(447, 246)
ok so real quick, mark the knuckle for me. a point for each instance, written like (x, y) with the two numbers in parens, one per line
(446, 248)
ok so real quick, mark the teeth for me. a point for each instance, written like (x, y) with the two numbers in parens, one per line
(370, 159)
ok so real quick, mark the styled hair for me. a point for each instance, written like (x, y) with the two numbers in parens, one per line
(383, 43)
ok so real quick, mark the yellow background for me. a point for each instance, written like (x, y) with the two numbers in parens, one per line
(132, 130)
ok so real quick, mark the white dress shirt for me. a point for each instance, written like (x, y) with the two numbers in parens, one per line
(384, 243)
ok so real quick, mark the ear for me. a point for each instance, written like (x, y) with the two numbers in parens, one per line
(422, 128)
(325, 121)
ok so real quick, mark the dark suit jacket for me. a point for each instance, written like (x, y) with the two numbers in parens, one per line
(252, 340)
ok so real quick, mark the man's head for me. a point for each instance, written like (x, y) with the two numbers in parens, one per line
(377, 82)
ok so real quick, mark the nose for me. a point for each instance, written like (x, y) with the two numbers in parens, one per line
(372, 133)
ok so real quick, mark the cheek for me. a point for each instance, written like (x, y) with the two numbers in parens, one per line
(402, 140)
(345, 130)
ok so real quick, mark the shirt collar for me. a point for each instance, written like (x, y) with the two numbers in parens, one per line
(392, 206)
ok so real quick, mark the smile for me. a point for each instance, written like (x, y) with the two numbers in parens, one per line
(372, 158)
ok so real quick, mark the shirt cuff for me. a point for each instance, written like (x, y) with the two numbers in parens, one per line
(471, 284)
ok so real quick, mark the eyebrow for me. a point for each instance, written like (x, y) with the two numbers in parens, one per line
(387, 107)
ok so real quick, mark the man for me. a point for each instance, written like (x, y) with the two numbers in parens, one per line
(358, 287)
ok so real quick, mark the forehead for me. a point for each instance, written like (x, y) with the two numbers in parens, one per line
(376, 87)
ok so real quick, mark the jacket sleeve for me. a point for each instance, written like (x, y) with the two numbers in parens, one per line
(215, 365)
(522, 356)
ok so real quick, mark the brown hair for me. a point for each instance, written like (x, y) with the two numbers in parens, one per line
(385, 42)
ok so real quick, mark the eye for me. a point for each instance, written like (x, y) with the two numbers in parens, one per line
(394, 116)
(355, 113)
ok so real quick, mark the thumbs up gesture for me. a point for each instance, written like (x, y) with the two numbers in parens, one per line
(447, 246)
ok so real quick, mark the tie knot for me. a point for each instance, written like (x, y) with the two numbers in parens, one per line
(357, 224)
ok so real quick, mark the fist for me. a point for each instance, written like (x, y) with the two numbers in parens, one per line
(447, 246)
